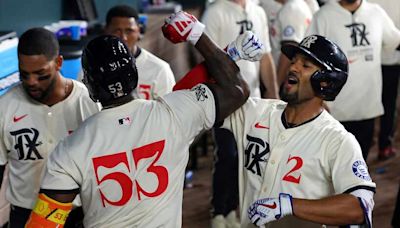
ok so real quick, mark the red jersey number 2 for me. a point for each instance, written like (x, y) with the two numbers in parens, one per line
(297, 165)
(125, 181)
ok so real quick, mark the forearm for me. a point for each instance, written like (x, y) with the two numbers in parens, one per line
(341, 209)
(223, 70)
(268, 76)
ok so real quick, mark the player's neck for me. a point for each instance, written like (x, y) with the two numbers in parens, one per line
(300, 113)
(352, 7)
(61, 91)
(118, 102)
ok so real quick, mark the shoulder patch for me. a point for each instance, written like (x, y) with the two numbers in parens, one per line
(360, 170)
(288, 31)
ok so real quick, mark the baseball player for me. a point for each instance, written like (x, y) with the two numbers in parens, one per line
(128, 161)
(225, 19)
(156, 77)
(297, 164)
(290, 26)
(362, 29)
(390, 85)
(35, 115)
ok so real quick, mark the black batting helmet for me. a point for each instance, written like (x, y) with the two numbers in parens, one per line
(332, 59)
(109, 69)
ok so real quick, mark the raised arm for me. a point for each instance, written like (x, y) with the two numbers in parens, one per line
(230, 90)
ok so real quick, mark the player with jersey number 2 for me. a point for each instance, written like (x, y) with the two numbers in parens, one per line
(128, 161)
(298, 166)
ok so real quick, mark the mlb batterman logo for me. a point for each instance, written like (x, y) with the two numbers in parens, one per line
(360, 170)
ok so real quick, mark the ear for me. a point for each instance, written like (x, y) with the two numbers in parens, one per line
(59, 61)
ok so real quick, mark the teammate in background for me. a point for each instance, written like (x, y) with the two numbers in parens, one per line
(290, 26)
(313, 5)
(362, 29)
(226, 19)
(126, 161)
(295, 157)
(229, 18)
(156, 77)
(390, 84)
(35, 116)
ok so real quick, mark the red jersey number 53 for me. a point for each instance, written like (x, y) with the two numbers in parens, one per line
(126, 183)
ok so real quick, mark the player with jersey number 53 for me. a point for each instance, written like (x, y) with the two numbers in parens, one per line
(298, 166)
(126, 161)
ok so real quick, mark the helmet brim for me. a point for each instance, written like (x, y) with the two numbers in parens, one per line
(290, 50)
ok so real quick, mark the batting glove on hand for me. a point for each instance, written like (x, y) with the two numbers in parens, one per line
(246, 46)
(181, 27)
(270, 209)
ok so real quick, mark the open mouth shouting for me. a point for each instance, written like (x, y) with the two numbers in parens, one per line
(291, 80)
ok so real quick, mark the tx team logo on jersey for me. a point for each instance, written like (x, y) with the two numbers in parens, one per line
(26, 144)
(245, 25)
(358, 34)
(256, 153)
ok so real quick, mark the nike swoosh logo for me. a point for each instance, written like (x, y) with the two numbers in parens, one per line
(352, 61)
(16, 119)
(272, 206)
(258, 125)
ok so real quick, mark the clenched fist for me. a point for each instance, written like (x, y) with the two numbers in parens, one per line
(181, 27)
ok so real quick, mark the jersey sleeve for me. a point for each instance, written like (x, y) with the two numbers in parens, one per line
(194, 110)
(3, 148)
(264, 37)
(165, 82)
(391, 35)
(349, 170)
(316, 25)
(61, 172)
(292, 29)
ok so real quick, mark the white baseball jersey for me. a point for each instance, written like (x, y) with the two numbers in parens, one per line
(29, 131)
(129, 161)
(225, 20)
(293, 19)
(314, 160)
(361, 36)
(155, 76)
(312, 5)
(392, 8)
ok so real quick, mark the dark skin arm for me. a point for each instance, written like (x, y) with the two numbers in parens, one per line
(335, 210)
(61, 196)
(230, 90)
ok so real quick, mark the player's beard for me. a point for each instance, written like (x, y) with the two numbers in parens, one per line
(290, 98)
(294, 98)
(44, 93)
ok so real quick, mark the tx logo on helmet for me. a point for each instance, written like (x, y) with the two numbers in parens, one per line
(308, 41)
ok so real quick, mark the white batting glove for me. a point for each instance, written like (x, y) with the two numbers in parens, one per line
(181, 27)
(270, 209)
(246, 46)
